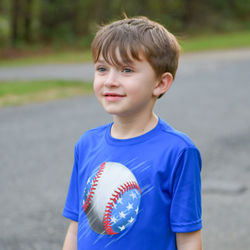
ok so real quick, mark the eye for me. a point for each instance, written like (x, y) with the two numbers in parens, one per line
(127, 70)
(101, 69)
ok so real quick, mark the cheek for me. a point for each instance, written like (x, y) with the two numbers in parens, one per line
(96, 86)
(141, 87)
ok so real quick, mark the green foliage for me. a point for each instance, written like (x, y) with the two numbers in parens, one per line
(4, 29)
(192, 43)
(4, 22)
(69, 22)
(227, 15)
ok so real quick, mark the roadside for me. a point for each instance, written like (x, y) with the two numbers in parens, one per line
(26, 92)
(40, 83)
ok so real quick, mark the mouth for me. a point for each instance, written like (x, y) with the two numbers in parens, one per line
(113, 96)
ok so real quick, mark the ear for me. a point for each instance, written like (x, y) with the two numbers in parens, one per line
(163, 84)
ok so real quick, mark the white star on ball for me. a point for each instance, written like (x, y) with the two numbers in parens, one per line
(137, 210)
(122, 215)
(113, 219)
(129, 206)
(122, 228)
(131, 220)
(133, 195)
(119, 201)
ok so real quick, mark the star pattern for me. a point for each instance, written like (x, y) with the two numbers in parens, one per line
(131, 220)
(129, 206)
(133, 195)
(137, 210)
(122, 228)
(124, 212)
(113, 219)
(119, 201)
(121, 210)
(122, 215)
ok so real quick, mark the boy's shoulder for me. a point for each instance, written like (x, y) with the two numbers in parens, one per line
(177, 143)
(175, 137)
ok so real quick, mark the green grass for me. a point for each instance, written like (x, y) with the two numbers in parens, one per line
(189, 44)
(216, 42)
(24, 92)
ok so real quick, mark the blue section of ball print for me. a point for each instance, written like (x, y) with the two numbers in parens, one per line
(89, 184)
(125, 210)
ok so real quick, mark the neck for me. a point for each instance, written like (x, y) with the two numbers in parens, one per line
(124, 128)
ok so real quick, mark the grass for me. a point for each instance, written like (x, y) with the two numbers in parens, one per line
(189, 44)
(24, 92)
(216, 42)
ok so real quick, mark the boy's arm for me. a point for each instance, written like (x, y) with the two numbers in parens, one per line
(70, 242)
(189, 241)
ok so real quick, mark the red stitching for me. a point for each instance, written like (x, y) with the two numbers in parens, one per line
(113, 200)
(93, 187)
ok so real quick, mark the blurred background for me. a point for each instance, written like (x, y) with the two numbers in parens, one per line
(26, 24)
(47, 103)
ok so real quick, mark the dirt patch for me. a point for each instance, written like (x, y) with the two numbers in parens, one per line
(12, 53)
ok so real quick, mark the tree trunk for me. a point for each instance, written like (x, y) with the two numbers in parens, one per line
(27, 20)
(15, 16)
(193, 13)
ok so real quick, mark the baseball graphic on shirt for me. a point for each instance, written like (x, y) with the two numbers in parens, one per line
(111, 198)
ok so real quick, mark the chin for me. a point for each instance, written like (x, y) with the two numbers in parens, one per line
(114, 112)
(111, 111)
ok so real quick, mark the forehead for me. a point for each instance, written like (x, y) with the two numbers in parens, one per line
(119, 57)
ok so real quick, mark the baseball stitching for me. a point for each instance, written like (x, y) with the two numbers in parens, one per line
(113, 200)
(93, 187)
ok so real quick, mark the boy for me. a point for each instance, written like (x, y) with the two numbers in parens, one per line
(135, 182)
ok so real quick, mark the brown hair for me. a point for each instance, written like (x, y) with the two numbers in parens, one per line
(133, 36)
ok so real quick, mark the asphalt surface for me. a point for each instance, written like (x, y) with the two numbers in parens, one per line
(73, 71)
(209, 101)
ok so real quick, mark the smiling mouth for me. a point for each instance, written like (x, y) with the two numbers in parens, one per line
(113, 95)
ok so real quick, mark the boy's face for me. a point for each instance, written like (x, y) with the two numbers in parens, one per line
(127, 90)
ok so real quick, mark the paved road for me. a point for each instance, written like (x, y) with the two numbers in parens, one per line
(209, 101)
(79, 71)
(74, 71)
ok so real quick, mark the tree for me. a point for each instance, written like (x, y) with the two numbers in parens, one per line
(15, 17)
(27, 20)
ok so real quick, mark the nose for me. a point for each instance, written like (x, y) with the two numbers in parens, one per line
(112, 79)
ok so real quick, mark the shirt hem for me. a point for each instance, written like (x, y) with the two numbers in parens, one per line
(187, 227)
(70, 215)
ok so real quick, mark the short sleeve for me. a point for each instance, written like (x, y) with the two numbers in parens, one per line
(72, 201)
(185, 212)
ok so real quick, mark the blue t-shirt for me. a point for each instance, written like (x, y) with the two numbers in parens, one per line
(134, 193)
